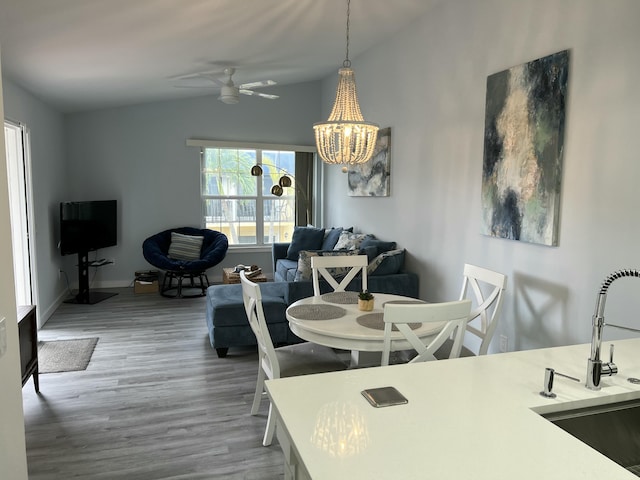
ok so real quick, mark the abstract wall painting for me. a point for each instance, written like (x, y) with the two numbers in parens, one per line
(523, 150)
(372, 178)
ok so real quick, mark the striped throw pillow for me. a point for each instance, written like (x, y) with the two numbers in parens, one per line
(185, 247)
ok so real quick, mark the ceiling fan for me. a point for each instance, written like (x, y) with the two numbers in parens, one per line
(229, 91)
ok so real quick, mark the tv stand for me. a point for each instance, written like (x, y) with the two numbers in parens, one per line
(85, 296)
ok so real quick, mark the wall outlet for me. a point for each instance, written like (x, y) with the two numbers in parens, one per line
(3, 337)
(504, 343)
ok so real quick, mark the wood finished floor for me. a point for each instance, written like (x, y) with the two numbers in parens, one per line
(154, 403)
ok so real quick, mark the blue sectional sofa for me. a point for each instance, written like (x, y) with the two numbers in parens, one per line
(227, 322)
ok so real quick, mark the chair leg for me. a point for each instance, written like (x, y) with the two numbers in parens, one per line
(179, 287)
(167, 284)
(185, 282)
(257, 397)
(204, 282)
(271, 428)
(166, 279)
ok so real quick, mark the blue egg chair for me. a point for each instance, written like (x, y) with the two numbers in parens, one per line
(187, 269)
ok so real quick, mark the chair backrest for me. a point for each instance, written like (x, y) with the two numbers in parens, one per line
(455, 314)
(486, 290)
(252, 298)
(320, 268)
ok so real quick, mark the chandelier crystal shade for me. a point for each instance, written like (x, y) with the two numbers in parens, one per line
(346, 138)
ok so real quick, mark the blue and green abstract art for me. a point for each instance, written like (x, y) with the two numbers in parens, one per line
(523, 150)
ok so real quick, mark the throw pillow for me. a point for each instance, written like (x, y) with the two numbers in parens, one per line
(379, 244)
(387, 263)
(370, 251)
(331, 237)
(304, 238)
(304, 263)
(351, 241)
(185, 247)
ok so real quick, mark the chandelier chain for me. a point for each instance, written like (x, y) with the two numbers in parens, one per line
(347, 62)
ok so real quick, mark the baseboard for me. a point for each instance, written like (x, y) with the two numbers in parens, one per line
(44, 315)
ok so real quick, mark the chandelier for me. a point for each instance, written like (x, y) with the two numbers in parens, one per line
(346, 138)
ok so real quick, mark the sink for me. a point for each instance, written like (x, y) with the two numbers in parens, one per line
(612, 429)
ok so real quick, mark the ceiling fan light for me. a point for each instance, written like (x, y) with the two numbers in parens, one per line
(229, 95)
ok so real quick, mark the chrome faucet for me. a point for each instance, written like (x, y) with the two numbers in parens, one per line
(596, 368)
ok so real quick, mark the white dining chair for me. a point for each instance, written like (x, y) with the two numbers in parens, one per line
(404, 316)
(486, 290)
(289, 361)
(324, 266)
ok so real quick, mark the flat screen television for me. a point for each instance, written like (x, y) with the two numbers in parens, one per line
(88, 226)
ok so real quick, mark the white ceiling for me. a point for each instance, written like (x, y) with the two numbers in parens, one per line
(89, 54)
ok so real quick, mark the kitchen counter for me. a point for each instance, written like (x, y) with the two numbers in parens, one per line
(468, 418)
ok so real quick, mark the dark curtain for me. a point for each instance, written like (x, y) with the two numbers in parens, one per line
(304, 188)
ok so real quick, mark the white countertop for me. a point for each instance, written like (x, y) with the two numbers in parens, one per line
(468, 418)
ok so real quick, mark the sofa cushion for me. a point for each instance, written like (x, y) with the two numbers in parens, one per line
(387, 263)
(286, 270)
(351, 241)
(304, 263)
(225, 307)
(304, 238)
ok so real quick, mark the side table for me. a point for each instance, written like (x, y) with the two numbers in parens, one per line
(230, 276)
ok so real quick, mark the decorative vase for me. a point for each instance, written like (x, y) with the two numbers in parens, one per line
(365, 305)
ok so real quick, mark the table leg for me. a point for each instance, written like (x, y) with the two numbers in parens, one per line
(365, 359)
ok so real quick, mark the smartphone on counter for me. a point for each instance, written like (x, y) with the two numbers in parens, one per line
(384, 396)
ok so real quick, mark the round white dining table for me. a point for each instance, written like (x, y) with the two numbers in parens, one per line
(333, 319)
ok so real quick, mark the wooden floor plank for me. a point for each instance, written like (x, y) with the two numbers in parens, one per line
(155, 403)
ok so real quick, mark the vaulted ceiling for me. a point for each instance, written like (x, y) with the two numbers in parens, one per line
(88, 54)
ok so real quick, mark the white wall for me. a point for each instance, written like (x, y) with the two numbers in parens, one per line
(138, 155)
(428, 84)
(13, 461)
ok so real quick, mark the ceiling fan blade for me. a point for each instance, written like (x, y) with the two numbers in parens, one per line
(264, 83)
(259, 94)
(198, 80)
(185, 76)
(213, 79)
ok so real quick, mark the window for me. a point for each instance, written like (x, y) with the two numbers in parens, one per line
(241, 205)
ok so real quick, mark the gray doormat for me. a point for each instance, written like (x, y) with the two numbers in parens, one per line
(65, 355)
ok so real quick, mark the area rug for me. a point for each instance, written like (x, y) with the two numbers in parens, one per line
(65, 355)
